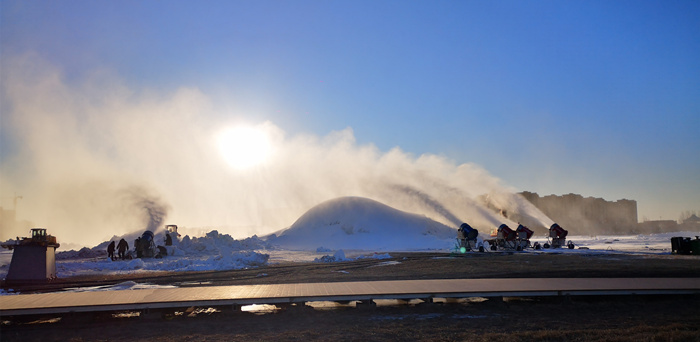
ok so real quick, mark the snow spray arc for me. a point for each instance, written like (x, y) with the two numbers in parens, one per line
(152, 209)
(429, 201)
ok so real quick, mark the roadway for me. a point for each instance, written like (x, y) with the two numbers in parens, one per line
(365, 291)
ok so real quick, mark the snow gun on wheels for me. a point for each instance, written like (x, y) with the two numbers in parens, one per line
(467, 239)
(558, 236)
(522, 238)
(504, 238)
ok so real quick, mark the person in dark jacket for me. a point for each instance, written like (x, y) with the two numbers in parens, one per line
(123, 246)
(110, 250)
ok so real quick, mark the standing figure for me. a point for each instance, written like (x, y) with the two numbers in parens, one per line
(123, 246)
(110, 250)
(137, 247)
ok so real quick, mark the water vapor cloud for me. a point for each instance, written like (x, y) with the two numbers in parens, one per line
(94, 158)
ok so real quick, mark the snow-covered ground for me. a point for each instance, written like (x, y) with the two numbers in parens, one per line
(220, 252)
(641, 243)
(340, 230)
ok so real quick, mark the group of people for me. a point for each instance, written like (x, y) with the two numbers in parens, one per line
(122, 247)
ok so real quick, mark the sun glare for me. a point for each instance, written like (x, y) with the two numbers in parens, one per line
(244, 147)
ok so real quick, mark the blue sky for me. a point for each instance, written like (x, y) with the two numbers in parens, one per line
(600, 98)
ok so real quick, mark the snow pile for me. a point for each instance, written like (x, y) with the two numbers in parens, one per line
(84, 252)
(375, 256)
(213, 243)
(214, 251)
(216, 243)
(340, 256)
(9, 242)
(363, 224)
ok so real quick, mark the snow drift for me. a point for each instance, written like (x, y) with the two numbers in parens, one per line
(362, 223)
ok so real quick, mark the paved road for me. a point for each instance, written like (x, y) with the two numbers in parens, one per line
(236, 295)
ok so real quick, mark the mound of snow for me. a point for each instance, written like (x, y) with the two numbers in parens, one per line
(340, 256)
(214, 251)
(363, 224)
(217, 243)
(213, 243)
(82, 253)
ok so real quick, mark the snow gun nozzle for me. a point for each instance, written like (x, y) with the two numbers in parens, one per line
(556, 231)
(468, 232)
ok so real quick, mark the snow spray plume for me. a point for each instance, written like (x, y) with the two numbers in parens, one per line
(457, 200)
(429, 201)
(78, 145)
(517, 208)
(152, 209)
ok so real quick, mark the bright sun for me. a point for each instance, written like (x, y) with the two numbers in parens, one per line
(244, 147)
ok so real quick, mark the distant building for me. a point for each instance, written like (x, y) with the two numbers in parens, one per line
(587, 215)
(692, 223)
(693, 219)
(657, 226)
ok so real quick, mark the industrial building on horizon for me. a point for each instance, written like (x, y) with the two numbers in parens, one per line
(591, 215)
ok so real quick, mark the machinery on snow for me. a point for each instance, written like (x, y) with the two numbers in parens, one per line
(558, 236)
(145, 246)
(506, 238)
(467, 239)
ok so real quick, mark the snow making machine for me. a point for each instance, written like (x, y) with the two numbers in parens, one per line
(557, 234)
(467, 239)
(504, 238)
(522, 238)
(145, 246)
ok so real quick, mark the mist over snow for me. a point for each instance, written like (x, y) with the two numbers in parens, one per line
(328, 232)
(93, 158)
(364, 224)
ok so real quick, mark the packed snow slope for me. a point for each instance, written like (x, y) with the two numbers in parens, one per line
(362, 223)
